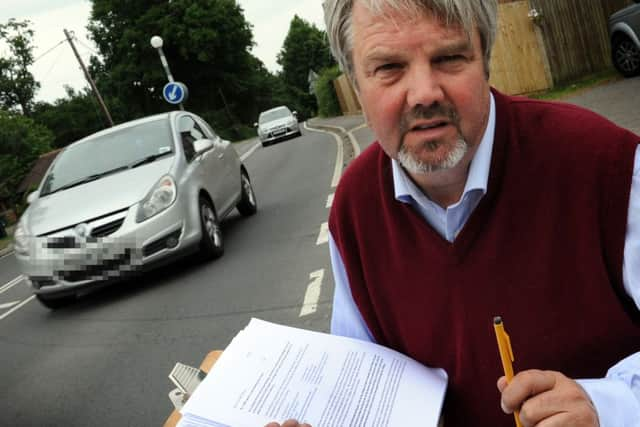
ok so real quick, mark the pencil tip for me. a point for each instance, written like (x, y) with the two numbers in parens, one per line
(497, 320)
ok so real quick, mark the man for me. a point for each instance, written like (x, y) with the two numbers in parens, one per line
(474, 204)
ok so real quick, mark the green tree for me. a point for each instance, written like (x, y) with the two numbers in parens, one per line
(328, 104)
(207, 45)
(305, 48)
(22, 140)
(72, 117)
(17, 85)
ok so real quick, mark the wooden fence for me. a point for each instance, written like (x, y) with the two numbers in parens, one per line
(575, 35)
(518, 62)
(346, 96)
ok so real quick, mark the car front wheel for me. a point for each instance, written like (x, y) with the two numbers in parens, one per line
(626, 56)
(247, 205)
(211, 245)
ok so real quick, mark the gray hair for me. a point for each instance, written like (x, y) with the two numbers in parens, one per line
(465, 13)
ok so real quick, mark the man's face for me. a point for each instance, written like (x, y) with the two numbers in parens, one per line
(422, 87)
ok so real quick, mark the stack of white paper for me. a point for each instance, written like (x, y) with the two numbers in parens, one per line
(271, 372)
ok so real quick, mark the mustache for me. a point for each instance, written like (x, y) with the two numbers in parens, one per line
(428, 112)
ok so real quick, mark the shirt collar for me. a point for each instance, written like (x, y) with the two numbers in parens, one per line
(478, 176)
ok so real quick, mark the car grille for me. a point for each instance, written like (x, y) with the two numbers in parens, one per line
(280, 130)
(107, 229)
(65, 238)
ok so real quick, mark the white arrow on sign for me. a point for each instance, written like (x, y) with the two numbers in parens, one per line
(174, 93)
(8, 304)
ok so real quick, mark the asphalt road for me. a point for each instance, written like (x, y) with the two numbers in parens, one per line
(104, 360)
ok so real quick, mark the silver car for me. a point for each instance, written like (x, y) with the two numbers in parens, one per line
(277, 124)
(126, 198)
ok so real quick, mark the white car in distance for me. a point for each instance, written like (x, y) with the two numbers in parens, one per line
(277, 124)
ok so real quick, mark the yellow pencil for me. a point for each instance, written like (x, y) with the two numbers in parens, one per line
(506, 354)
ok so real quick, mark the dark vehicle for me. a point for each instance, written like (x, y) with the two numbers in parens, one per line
(624, 32)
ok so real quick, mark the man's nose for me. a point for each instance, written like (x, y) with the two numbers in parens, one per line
(423, 86)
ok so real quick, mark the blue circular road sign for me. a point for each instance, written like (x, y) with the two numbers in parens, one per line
(175, 92)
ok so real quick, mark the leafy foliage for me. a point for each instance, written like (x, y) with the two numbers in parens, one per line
(21, 142)
(305, 48)
(17, 85)
(206, 43)
(71, 118)
(328, 104)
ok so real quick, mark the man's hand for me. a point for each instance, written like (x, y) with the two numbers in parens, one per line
(547, 399)
(288, 423)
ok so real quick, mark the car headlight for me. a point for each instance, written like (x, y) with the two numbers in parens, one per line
(161, 196)
(20, 240)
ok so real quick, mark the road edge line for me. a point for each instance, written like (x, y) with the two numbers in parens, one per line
(337, 171)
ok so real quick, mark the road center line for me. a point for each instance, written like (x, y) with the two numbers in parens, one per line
(9, 304)
(17, 307)
(323, 236)
(249, 152)
(337, 172)
(11, 284)
(330, 200)
(311, 297)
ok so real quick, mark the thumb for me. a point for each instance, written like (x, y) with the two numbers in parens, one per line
(502, 383)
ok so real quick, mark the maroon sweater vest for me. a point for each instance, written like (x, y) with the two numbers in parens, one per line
(543, 249)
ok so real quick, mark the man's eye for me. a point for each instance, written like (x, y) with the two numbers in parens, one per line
(450, 58)
(387, 67)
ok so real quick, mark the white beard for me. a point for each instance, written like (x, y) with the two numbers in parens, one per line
(413, 165)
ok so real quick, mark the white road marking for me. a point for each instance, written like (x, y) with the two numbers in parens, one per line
(323, 236)
(11, 284)
(17, 307)
(352, 139)
(312, 295)
(8, 304)
(330, 200)
(364, 125)
(337, 172)
(250, 152)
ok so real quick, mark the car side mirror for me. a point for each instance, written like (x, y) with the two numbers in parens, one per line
(32, 197)
(295, 113)
(255, 125)
(202, 145)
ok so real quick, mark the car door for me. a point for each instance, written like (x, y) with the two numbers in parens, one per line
(229, 164)
(204, 170)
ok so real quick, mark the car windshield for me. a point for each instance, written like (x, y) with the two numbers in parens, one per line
(109, 153)
(271, 115)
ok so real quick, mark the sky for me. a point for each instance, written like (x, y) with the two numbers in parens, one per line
(56, 66)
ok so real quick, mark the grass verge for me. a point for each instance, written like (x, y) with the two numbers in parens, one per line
(563, 91)
(4, 242)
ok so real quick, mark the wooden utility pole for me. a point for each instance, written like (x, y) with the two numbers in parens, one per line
(89, 79)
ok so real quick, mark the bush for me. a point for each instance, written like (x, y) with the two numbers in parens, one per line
(22, 140)
(328, 105)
